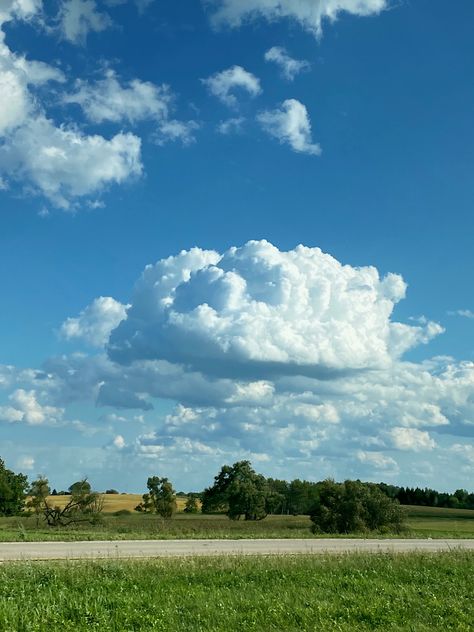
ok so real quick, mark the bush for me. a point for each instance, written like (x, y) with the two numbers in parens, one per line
(123, 512)
(355, 507)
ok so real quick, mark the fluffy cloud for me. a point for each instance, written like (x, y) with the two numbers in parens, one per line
(77, 18)
(256, 310)
(60, 163)
(309, 13)
(109, 100)
(95, 322)
(64, 164)
(464, 313)
(223, 84)
(26, 408)
(290, 124)
(171, 130)
(289, 67)
(290, 359)
(411, 439)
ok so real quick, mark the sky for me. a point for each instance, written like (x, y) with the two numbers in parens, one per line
(237, 229)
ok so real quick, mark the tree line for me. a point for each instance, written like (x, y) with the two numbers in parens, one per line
(241, 493)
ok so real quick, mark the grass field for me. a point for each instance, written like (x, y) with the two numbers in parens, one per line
(345, 593)
(422, 522)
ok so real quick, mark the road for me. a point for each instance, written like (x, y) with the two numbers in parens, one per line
(10, 551)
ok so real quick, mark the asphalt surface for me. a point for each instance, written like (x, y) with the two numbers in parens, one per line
(10, 551)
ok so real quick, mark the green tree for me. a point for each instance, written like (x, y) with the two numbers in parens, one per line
(13, 488)
(162, 496)
(39, 492)
(240, 491)
(191, 506)
(354, 507)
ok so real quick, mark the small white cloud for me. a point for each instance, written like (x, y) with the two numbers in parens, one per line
(223, 84)
(231, 125)
(119, 442)
(464, 313)
(411, 439)
(78, 18)
(290, 124)
(309, 13)
(173, 130)
(95, 322)
(377, 460)
(109, 100)
(289, 67)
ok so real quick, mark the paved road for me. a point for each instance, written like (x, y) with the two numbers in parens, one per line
(176, 548)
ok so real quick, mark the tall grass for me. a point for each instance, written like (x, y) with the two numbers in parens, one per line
(345, 593)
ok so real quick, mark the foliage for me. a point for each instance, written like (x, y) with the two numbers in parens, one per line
(191, 506)
(160, 499)
(240, 491)
(84, 505)
(460, 499)
(354, 507)
(416, 592)
(13, 489)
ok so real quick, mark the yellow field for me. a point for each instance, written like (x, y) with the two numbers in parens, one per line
(114, 502)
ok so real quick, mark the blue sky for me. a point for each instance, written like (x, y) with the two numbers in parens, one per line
(149, 130)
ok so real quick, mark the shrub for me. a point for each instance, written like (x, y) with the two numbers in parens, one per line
(354, 507)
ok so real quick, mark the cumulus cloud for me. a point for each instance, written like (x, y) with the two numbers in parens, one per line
(78, 18)
(223, 84)
(257, 309)
(109, 100)
(63, 164)
(411, 439)
(95, 322)
(26, 408)
(287, 358)
(310, 14)
(290, 124)
(289, 67)
(59, 162)
(25, 463)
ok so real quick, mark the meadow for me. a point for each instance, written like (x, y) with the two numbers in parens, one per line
(129, 525)
(415, 593)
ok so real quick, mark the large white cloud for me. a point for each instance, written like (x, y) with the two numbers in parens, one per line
(309, 13)
(290, 359)
(62, 163)
(290, 124)
(258, 310)
(224, 84)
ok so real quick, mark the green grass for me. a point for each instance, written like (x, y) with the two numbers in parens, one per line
(422, 522)
(345, 593)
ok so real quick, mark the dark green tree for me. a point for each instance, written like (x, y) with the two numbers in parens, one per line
(240, 491)
(354, 507)
(13, 488)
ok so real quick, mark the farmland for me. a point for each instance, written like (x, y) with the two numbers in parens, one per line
(422, 522)
(346, 593)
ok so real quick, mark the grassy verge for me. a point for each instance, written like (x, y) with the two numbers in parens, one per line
(346, 593)
(422, 522)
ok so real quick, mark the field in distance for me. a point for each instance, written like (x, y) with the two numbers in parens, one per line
(422, 522)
